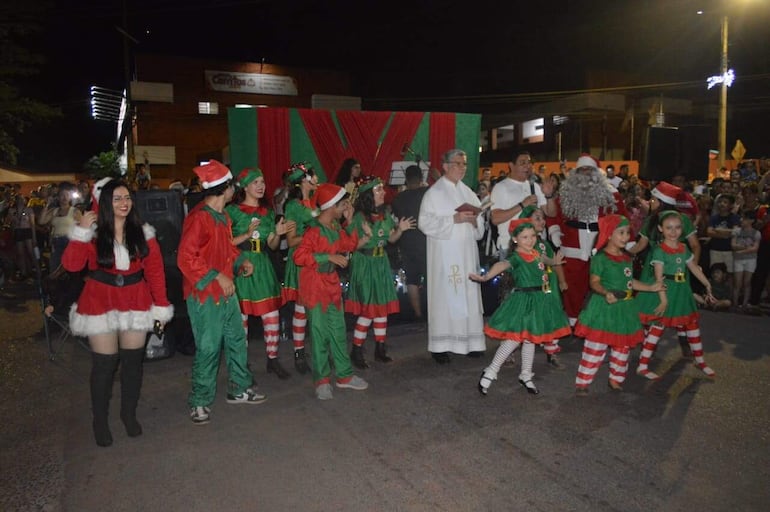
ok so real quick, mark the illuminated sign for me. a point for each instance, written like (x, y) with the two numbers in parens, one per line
(728, 78)
(251, 83)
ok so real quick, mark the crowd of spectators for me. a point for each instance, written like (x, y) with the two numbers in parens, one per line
(730, 213)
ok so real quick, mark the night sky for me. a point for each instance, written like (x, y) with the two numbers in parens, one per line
(399, 49)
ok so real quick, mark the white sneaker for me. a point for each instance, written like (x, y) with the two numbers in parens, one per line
(199, 415)
(355, 382)
(324, 392)
(249, 396)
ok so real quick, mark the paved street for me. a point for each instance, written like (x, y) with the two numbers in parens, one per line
(420, 438)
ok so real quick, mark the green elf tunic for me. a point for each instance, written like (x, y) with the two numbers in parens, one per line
(681, 309)
(529, 313)
(259, 293)
(321, 295)
(618, 324)
(301, 212)
(371, 292)
(648, 230)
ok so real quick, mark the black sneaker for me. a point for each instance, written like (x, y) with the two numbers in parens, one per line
(249, 396)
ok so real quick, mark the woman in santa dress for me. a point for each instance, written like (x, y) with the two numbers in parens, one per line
(124, 297)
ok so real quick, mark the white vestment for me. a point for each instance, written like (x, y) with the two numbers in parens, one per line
(455, 311)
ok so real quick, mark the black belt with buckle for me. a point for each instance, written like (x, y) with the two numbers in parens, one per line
(251, 245)
(375, 251)
(590, 226)
(541, 288)
(679, 277)
(626, 294)
(116, 279)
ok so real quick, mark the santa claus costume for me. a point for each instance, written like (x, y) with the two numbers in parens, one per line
(123, 298)
(584, 197)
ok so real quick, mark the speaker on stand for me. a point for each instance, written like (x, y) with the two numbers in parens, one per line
(164, 210)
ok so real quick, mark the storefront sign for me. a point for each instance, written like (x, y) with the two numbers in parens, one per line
(251, 83)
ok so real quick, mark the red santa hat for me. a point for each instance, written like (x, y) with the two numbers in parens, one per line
(517, 225)
(98, 186)
(212, 174)
(327, 195)
(587, 160)
(667, 193)
(607, 225)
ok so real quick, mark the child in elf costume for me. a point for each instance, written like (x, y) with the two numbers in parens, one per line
(299, 208)
(254, 232)
(208, 261)
(371, 294)
(611, 318)
(323, 249)
(528, 316)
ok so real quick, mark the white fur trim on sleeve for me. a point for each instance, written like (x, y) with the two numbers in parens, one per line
(82, 234)
(149, 231)
(162, 313)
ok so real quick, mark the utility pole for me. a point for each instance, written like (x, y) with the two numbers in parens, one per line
(723, 97)
(128, 121)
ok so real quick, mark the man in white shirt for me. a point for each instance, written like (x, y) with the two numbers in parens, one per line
(614, 180)
(511, 195)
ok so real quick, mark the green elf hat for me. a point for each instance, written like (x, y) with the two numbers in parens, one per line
(528, 211)
(666, 214)
(248, 175)
(367, 183)
(297, 172)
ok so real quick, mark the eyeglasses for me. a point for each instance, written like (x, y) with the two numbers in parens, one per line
(459, 164)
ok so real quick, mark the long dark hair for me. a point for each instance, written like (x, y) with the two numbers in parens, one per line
(365, 204)
(295, 186)
(105, 234)
(345, 172)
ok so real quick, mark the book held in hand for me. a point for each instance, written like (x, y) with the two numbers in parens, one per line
(467, 207)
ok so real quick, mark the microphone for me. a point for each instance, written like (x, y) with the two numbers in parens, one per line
(405, 149)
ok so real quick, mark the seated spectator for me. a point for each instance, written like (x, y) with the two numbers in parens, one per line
(720, 289)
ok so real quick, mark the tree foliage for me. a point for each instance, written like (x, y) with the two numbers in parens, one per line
(105, 164)
(19, 22)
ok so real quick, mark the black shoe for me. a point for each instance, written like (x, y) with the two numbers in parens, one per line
(357, 358)
(130, 387)
(554, 363)
(441, 357)
(685, 346)
(381, 353)
(300, 363)
(484, 380)
(530, 387)
(475, 354)
(274, 366)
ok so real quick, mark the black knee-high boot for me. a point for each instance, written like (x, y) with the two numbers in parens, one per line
(102, 371)
(130, 387)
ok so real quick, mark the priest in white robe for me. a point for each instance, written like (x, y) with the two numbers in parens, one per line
(455, 311)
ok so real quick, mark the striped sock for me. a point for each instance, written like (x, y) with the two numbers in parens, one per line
(360, 330)
(380, 328)
(298, 324)
(592, 359)
(270, 325)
